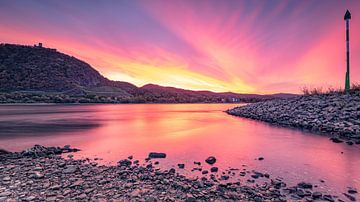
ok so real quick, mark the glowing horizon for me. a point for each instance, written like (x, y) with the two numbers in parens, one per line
(239, 46)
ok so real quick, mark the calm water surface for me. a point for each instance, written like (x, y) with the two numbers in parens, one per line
(187, 133)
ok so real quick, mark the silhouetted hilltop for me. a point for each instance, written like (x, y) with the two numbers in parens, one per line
(38, 74)
(34, 68)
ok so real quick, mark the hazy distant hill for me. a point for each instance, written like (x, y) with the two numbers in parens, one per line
(56, 76)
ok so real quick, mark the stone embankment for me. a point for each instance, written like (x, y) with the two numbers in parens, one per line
(336, 115)
(38, 174)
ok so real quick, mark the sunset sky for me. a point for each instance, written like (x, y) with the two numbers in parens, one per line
(260, 46)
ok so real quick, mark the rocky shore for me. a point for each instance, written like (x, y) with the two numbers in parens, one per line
(336, 114)
(39, 174)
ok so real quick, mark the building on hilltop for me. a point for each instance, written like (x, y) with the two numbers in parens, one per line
(40, 45)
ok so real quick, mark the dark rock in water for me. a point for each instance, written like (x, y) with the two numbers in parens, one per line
(305, 185)
(197, 163)
(153, 155)
(130, 157)
(261, 158)
(352, 191)
(156, 163)
(125, 162)
(205, 172)
(210, 160)
(225, 177)
(181, 165)
(214, 169)
(336, 140)
(351, 198)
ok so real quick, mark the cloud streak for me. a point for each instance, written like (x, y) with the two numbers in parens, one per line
(240, 46)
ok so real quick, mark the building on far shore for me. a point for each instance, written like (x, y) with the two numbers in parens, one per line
(40, 45)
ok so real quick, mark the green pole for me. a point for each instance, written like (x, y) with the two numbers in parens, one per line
(347, 18)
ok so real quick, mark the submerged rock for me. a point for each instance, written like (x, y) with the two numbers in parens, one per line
(210, 160)
(153, 155)
(214, 169)
(181, 165)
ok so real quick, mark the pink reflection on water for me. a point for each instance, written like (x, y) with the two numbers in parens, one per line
(192, 132)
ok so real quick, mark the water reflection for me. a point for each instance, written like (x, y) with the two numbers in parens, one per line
(187, 133)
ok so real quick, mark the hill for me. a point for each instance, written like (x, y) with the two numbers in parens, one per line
(38, 74)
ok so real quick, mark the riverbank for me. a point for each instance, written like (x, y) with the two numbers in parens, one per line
(336, 115)
(40, 174)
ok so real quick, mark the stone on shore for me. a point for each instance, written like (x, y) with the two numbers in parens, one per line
(333, 114)
(54, 178)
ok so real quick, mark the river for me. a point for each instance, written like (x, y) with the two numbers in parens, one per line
(186, 133)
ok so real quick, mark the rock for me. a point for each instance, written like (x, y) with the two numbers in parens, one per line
(150, 199)
(300, 193)
(336, 140)
(261, 158)
(125, 162)
(197, 163)
(190, 199)
(350, 197)
(130, 157)
(316, 195)
(328, 198)
(214, 169)
(6, 179)
(181, 165)
(5, 194)
(225, 177)
(70, 169)
(82, 196)
(352, 191)
(204, 172)
(153, 155)
(349, 143)
(38, 175)
(210, 160)
(4, 152)
(305, 185)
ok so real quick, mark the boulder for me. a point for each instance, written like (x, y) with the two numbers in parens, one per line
(214, 169)
(210, 160)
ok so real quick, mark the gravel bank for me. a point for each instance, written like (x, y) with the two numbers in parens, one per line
(38, 175)
(336, 115)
